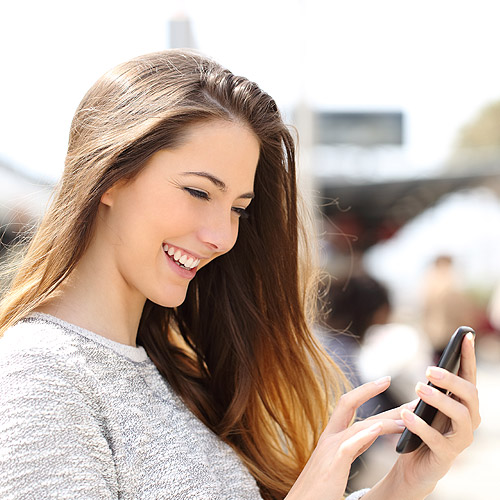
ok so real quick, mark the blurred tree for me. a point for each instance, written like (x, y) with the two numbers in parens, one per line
(478, 142)
(483, 130)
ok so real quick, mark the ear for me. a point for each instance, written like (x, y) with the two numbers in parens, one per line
(108, 197)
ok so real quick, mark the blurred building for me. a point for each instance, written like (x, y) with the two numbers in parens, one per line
(362, 182)
(374, 211)
(180, 32)
(22, 201)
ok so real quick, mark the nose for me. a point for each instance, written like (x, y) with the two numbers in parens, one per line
(219, 231)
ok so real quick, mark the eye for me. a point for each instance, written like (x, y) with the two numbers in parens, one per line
(241, 212)
(198, 193)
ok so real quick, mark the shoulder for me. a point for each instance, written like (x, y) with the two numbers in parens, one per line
(40, 337)
(38, 356)
(34, 331)
(45, 379)
(44, 353)
(50, 416)
(34, 342)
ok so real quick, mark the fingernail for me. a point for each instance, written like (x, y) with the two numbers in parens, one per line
(375, 429)
(408, 416)
(435, 372)
(423, 389)
(400, 423)
(383, 380)
(471, 338)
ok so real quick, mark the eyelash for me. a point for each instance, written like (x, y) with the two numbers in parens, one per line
(202, 195)
(241, 212)
(196, 193)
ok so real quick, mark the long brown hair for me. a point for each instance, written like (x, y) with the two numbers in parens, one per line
(239, 350)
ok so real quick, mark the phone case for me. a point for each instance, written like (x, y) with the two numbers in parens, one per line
(449, 360)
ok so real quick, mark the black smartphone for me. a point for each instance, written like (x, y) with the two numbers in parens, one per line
(449, 360)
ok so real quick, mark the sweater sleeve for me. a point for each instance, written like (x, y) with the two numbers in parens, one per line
(357, 494)
(51, 442)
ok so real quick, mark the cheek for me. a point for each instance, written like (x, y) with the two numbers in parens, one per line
(163, 217)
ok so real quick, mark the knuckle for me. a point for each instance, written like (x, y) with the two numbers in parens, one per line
(344, 400)
(462, 414)
(478, 421)
(344, 452)
(475, 393)
(345, 403)
(472, 393)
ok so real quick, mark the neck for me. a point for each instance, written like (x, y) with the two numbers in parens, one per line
(96, 299)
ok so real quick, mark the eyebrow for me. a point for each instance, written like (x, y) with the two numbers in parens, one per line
(218, 183)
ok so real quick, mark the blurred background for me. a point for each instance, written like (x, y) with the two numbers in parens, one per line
(397, 109)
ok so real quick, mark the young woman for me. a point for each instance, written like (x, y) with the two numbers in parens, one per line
(156, 337)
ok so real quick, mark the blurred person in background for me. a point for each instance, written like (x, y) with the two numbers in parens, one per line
(366, 344)
(156, 338)
(494, 308)
(354, 304)
(445, 306)
(489, 346)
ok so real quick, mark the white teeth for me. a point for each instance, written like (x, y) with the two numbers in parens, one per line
(180, 258)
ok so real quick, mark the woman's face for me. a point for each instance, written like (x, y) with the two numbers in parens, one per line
(180, 212)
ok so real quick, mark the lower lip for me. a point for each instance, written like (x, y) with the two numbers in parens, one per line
(184, 273)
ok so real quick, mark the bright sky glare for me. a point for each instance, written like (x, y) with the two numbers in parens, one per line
(434, 60)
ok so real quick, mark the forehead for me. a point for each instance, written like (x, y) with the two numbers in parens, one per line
(220, 130)
(226, 149)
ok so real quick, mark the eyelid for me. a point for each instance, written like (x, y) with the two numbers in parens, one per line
(241, 212)
(201, 194)
(198, 193)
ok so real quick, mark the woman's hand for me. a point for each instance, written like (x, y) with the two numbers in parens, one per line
(415, 474)
(325, 475)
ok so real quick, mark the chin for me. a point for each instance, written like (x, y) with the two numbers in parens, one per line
(173, 300)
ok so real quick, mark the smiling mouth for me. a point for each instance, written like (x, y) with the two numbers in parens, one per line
(183, 260)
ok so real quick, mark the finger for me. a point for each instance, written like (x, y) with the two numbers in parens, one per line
(388, 426)
(354, 446)
(395, 413)
(468, 359)
(461, 388)
(461, 419)
(430, 436)
(349, 402)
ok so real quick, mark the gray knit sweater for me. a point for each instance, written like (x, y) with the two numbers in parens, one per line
(83, 417)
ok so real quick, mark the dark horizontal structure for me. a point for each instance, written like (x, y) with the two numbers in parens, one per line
(364, 129)
(373, 212)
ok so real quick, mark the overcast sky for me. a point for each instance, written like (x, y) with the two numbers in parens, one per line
(436, 60)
